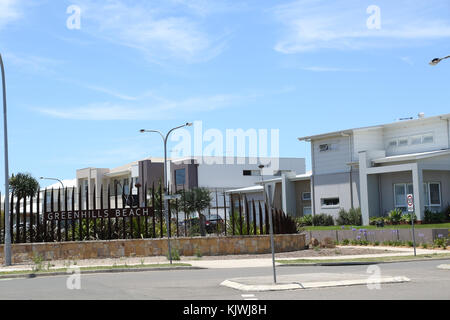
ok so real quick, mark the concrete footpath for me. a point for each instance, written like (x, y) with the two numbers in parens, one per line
(253, 261)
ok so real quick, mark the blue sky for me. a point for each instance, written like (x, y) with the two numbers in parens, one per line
(77, 97)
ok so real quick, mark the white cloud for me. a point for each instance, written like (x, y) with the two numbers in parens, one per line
(150, 106)
(153, 109)
(316, 24)
(330, 69)
(32, 63)
(150, 27)
(9, 11)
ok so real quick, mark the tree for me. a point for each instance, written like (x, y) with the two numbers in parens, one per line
(23, 185)
(197, 200)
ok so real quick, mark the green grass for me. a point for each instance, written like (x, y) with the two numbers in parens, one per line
(95, 268)
(399, 226)
(375, 259)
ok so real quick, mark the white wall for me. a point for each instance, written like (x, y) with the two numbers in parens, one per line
(332, 161)
(231, 175)
(365, 140)
(435, 126)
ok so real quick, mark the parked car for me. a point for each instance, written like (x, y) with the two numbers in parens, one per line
(212, 221)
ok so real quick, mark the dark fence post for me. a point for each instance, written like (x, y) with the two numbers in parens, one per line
(185, 212)
(109, 208)
(24, 219)
(169, 218)
(38, 218)
(176, 210)
(17, 221)
(52, 209)
(31, 219)
(146, 205)
(261, 226)
(66, 221)
(73, 209)
(266, 211)
(116, 206)
(255, 230)
(240, 216)
(138, 218)
(80, 226)
(154, 212)
(59, 210)
(225, 212)
(217, 213)
(161, 211)
(124, 227)
(44, 220)
(94, 207)
(102, 220)
(247, 215)
(88, 233)
(232, 213)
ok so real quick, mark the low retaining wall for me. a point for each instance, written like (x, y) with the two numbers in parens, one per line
(209, 246)
(372, 235)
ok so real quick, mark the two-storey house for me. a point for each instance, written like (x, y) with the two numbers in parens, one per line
(376, 167)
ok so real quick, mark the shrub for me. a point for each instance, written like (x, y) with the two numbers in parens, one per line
(376, 243)
(424, 245)
(440, 242)
(395, 216)
(323, 220)
(446, 213)
(435, 217)
(304, 221)
(345, 242)
(407, 217)
(377, 221)
(351, 217)
(175, 254)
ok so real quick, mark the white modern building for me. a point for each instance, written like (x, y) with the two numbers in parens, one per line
(218, 174)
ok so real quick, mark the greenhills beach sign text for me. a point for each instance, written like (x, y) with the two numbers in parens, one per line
(99, 214)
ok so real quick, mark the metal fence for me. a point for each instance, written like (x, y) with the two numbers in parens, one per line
(65, 214)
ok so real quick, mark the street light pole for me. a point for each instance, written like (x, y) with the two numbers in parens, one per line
(7, 248)
(272, 245)
(435, 61)
(166, 187)
(54, 179)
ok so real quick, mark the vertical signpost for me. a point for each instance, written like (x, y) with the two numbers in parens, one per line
(410, 200)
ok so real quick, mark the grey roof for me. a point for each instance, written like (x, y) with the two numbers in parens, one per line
(348, 131)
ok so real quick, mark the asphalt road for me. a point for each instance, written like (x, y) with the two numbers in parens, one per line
(427, 282)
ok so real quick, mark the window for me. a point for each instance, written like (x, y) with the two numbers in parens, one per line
(306, 196)
(428, 138)
(330, 202)
(416, 140)
(402, 142)
(432, 192)
(180, 177)
(251, 173)
(307, 211)
(393, 144)
(324, 147)
(413, 140)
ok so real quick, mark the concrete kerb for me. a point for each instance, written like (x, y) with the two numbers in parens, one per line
(115, 270)
(257, 284)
